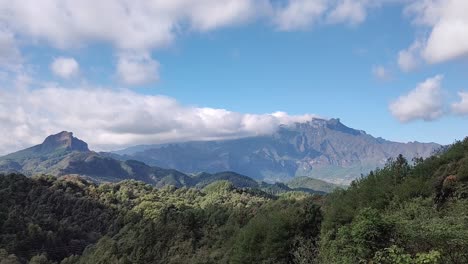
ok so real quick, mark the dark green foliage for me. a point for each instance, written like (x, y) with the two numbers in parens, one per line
(206, 226)
(368, 233)
(402, 213)
(240, 181)
(271, 235)
(69, 220)
(40, 259)
(43, 215)
(396, 255)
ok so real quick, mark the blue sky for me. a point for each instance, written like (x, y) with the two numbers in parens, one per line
(339, 59)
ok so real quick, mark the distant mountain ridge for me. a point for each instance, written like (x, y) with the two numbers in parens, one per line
(319, 148)
(63, 155)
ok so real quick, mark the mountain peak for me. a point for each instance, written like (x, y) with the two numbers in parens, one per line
(53, 144)
(63, 140)
(335, 124)
(332, 124)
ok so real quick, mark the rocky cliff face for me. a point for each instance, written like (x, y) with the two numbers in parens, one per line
(63, 140)
(324, 149)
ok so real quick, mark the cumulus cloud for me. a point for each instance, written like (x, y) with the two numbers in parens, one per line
(110, 119)
(144, 25)
(447, 21)
(127, 24)
(424, 102)
(381, 73)
(461, 107)
(65, 67)
(137, 69)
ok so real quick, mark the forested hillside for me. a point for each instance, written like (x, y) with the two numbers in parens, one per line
(402, 213)
(47, 220)
(405, 212)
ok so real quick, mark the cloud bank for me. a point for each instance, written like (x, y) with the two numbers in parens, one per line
(111, 119)
(127, 24)
(144, 25)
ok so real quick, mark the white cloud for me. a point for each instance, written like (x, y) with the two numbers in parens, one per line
(448, 21)
(349, 11)
(299, 14)
(127, 24)
(381, 73)
(137, 69)
(461, 107)
(135, 26)
(302, 14)
(110, 119)
(424, 102)
(408, 59)
(211, 14)
(65, 67)
(144, 24)
(140, 26)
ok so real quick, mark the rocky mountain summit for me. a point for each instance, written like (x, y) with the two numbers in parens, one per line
(63, 140)
(52, 145)
(320, 148)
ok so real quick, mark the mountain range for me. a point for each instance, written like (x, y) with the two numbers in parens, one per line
(64, 155)
(320, 148)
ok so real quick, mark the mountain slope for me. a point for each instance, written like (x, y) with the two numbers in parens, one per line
(402, 213)
(323, 149)
(62, 154)
(240, 181)
(311, 183)
(53, 145)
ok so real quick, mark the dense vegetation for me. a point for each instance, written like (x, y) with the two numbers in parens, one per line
(47, 220)
(402, 213)
(406, 212)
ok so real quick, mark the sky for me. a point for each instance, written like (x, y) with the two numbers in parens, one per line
(124, 72)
